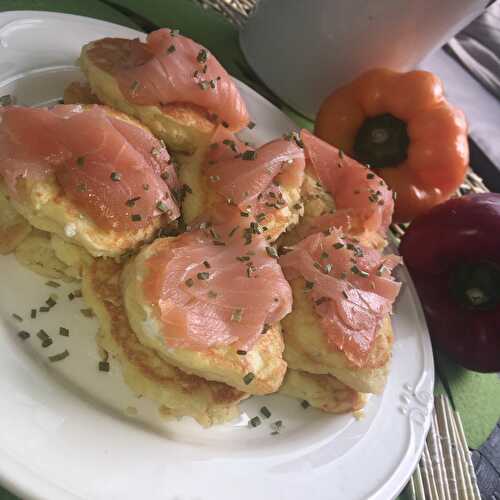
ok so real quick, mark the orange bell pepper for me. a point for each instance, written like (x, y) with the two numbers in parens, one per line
(401, 125)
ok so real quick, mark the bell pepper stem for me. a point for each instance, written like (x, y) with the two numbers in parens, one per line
(382, 141)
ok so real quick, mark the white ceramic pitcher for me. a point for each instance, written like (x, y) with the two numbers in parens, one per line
(303, 49)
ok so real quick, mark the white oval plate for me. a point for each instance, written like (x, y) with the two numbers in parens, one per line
(64, 429)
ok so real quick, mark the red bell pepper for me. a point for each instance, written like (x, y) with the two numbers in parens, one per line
(453, 255)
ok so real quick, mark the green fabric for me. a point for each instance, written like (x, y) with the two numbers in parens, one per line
(475, 396)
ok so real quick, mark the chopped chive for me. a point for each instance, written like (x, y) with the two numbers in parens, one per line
(207, 264)
(33, 314)
(305, 404)
(251, 125)
(135, 86)
(7, 100)
(276, 427)
(136, 217)
(271, 251)
(255, 422)
(80, 161)
(50, 302)
(162, 206)
(328, 268)
(344, 294)
(265, 328)
(224, 124)
(64, 332)
(245, 213)
(236, 315)
(204, 85)
(53, 284)
(370, 176)
(116, 176)
(46, 342)
(249, 155)
(88, 313)
(243, 258)
(248, 378)
(356, 270)
(324, 255)
(212, 294)
(189, 282)
(260, 217)
(145, 187)
(17, 317)
(59, 357)
(265, 412)
(231, 233)
(44, 309)
(321, 300)
(297, 206)
(103, 366)
(171, 49)
(71, 296)
(132, 201)
(23, 335)
(203, 276)
(240, 352)
(309, 286)
(202, 56)
(341, 154)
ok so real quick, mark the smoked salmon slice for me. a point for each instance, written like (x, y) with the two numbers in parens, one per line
(350, 285)
(264, 182)
(170, 68)
(112, 168)
(216, 285)
(359, 192)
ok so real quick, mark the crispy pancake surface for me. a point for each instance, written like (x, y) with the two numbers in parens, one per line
(176, 392)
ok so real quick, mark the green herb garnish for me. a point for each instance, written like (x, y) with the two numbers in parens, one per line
(236, 315)
(255, 422)
(249, 154)
(88, 313)
(136, 217)
(203, 276)
(59, 357)
(265, 412)
(240, 352)
(202, 56)
(189, 282)
(305, 404)
(116, 176)
(103, 366)
(53, 284)
(271, 251)
(64, 332)
(171, 49)
(23, 335)
(17, 317)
